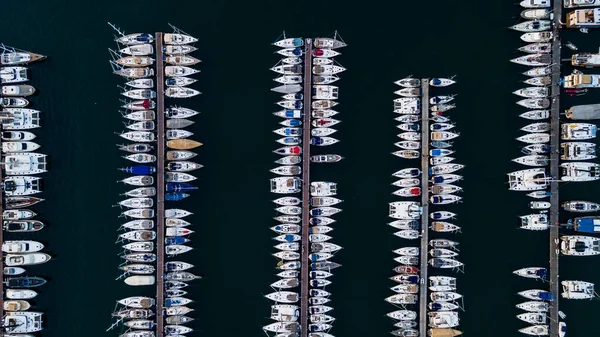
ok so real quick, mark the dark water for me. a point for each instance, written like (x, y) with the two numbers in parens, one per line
(387, 40)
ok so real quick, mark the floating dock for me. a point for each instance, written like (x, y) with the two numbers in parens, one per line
(424, 205)
(1, 239)
(305, 252)
(554, 172)
(160, 186)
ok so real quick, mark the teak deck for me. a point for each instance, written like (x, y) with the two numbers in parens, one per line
(160, 186)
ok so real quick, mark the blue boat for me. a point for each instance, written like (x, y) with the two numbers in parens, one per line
(139, 169)
(172, 302)
(24, 282)
(178, 187)
(176, 196)
(586, 224)
(293, 122)
(176, 240)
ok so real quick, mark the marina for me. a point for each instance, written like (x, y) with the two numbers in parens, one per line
(20, 167)
(77, 95)
(150, 225)
(425, 123)
(308, 67)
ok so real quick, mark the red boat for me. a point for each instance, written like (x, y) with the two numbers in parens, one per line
(289, 150)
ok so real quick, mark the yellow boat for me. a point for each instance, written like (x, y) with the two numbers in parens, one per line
(183, 144)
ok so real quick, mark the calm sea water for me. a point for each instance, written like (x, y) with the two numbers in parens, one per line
(387, 40)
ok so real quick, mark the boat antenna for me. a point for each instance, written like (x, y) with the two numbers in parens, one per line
(338, 37)
(115, 66)
(179, 31)
(122, 275)
(280, 37)
(116, 29)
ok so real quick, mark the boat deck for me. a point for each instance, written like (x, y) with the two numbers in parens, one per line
(424, 204)
(554, 162)
(160, 186)
(304, 280)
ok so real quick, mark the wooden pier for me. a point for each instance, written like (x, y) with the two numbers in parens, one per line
(1, 240)
(554, 170)
(424, 205)
(160, 186)
(305, 252)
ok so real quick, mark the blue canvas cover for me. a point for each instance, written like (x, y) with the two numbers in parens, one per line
(587, 225)
(140, 169)
(547, 296)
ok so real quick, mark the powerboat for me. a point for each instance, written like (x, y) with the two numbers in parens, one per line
(580, 206)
